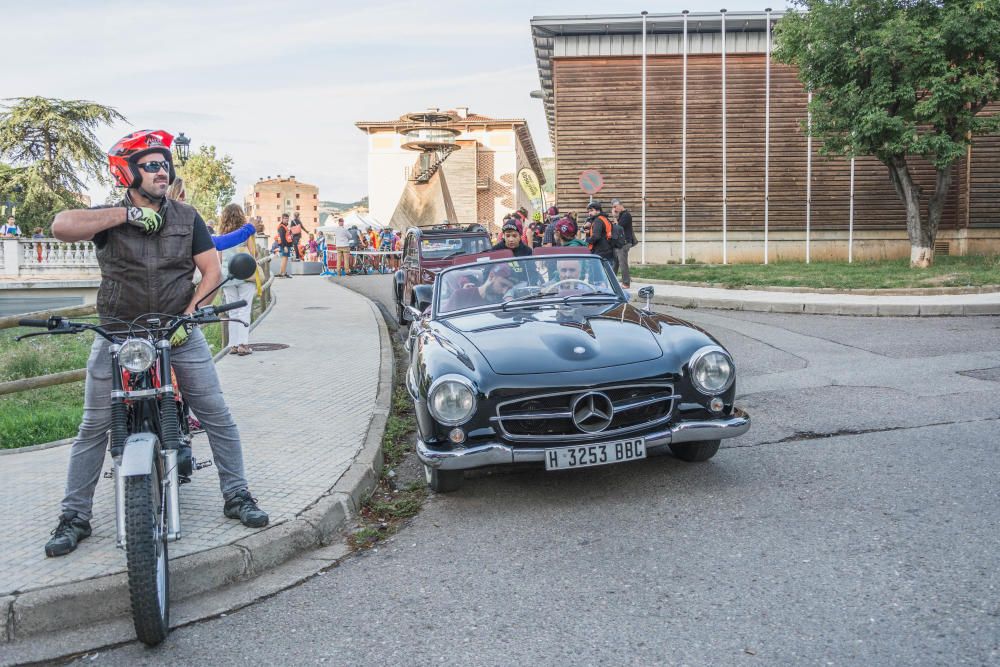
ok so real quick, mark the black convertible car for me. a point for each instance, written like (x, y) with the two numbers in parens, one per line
(542, 359)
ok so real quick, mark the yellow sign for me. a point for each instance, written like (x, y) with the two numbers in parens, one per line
(529, 183)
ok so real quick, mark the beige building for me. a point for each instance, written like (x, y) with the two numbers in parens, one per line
(270, 197)
(477, 183)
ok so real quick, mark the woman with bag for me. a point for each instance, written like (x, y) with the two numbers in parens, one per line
(233, 219)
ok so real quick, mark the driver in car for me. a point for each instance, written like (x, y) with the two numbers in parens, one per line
(568, 272)
(499, 280)
(568, 269)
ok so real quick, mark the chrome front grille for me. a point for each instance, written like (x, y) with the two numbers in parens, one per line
(550, 416)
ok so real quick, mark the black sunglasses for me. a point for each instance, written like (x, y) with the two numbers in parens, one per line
(153, 167)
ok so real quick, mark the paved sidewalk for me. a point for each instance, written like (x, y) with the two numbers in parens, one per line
(304, 415)
(821, 303)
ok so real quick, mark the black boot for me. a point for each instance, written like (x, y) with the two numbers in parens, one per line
(67, 535)
(243, 506)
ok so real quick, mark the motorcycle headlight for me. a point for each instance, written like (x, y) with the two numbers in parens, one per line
(712, 370)
(136, 354)
(451, 400)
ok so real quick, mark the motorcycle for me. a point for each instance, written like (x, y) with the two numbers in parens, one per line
(150, 445)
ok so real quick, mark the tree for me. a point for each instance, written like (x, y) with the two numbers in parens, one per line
(52, 148)
(897, 79)
(37, 203)
(208, 181)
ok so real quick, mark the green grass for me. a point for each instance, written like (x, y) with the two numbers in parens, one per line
(968, 271)
(41, 415)
(44, 415)
(389, 506)
(41, 355)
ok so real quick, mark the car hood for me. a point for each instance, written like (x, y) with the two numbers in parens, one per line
(556, 340)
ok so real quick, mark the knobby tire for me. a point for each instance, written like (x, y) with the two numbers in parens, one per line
(144, 542)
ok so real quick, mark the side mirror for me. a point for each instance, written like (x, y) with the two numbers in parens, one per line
(647, 294)
(423, 295)
(242, 266)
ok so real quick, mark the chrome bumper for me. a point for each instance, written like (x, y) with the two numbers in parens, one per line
(497, 453)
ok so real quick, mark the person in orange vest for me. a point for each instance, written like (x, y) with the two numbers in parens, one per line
(599, 240)
(296, 229)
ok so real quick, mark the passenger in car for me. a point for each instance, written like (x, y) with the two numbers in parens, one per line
(499, 279)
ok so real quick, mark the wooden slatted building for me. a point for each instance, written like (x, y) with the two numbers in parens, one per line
(591, 72)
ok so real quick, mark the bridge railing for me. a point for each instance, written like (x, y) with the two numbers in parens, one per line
(47, 257)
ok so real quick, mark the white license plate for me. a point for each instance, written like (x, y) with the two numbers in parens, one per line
(584, 456)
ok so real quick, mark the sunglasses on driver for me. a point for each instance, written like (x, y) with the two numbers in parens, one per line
(154, 166)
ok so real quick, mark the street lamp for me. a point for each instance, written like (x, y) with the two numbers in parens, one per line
(10, 206)
(182, 146)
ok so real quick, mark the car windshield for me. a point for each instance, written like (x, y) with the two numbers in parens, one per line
(524, 281)
(439, 247)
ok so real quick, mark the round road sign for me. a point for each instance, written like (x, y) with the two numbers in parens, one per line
(591, 181)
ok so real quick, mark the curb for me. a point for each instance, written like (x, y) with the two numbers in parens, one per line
(894, 291)
(36, 448)
(61, 608)
(854, 309)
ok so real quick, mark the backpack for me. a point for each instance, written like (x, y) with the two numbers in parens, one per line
(618, 239)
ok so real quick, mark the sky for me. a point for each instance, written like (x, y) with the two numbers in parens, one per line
(279, 85)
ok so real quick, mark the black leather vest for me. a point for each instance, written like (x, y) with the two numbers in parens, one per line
(143, 273)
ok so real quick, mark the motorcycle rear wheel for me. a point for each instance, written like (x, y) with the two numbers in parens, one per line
(146, 554)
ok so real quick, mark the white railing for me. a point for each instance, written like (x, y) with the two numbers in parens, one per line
(47, 257)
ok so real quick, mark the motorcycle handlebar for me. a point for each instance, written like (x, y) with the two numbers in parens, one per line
(230, 306)
(58, 325)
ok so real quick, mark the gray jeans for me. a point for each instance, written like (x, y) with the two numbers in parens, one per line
(622, 255)
(199, 383)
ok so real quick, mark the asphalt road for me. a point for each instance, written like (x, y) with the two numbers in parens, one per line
(857, 523)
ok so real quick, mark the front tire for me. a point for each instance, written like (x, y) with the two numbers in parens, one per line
(444, 481)
(146, 554)
(695, 452)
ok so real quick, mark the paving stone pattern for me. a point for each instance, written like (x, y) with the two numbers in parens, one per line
(303, 413)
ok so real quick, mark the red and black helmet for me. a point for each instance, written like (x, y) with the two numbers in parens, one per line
(125, 152)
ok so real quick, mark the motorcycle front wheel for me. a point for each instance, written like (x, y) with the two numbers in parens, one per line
(146, 553)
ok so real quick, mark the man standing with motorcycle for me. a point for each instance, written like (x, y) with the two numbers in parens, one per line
(148, 248)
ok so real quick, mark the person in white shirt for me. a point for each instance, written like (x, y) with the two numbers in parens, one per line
(343, 238)
(11, 228)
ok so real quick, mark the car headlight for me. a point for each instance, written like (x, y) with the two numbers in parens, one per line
(712, 370)
(136, 354)
(451, 400)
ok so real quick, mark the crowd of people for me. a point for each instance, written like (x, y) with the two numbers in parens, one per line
(609, 236)
(288, 243)
(354, 240)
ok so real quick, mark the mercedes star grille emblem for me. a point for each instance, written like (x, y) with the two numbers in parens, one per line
(592, 412)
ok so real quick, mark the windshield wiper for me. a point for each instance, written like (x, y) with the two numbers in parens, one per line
(525, 297)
